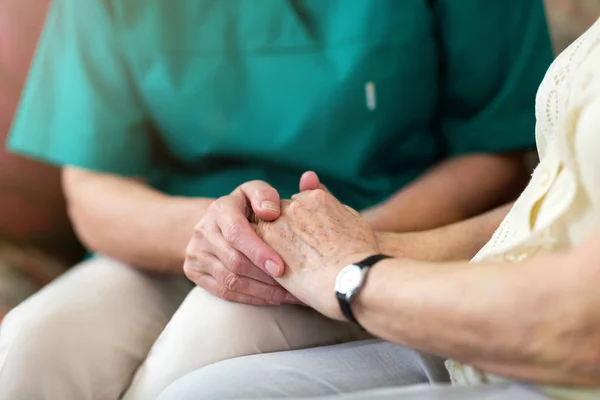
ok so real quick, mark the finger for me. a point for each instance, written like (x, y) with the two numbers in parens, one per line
(210, 284)
(239, 235)
(195, 265)
(263, 198)
(310, 181)
(251, 285)
(237, 262)
(272, 294)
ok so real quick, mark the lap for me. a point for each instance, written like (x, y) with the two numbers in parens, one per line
(206, 330)
(87, 331)
(330, 370)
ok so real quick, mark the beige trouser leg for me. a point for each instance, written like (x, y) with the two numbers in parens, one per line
(207, 329)
(83, 336)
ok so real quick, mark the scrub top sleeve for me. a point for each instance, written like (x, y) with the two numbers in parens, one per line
(79, 106)
(494, 54)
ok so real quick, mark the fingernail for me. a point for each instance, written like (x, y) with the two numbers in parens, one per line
(269, 205)
(272, 268)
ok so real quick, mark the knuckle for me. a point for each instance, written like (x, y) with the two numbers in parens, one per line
(190, 254)
(199, 230)
(194, 247)
(230, 281)
(218, 205)
(256, 255)
(318, 194)
(191, 270)
(293, 207)
(234, 233)
(236, 261)
(214, 206)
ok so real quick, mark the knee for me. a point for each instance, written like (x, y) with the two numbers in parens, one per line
(34, 339)
(206, 330)
(217, 318)
(266, 329)
(216, 330)
(41, 354)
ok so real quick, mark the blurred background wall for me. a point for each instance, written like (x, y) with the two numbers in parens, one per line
(32, 210)
(569, 18)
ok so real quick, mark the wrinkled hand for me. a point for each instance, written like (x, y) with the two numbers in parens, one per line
(228, 259)
(317, 236)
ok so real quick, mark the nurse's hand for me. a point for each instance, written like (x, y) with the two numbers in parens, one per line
(228, 259)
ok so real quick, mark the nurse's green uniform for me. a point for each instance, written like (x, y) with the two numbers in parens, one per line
(200, 96)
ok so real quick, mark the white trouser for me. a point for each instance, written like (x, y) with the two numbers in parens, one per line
(105, 330)
(364, 370)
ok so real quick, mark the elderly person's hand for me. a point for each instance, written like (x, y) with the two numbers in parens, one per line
(317, 236)
(227, 258)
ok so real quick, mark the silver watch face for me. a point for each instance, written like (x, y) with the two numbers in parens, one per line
(349, 279)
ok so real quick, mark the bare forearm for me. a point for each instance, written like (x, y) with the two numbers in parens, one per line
(492, 316)
(126, 219)
(459, 241)
(455, 190)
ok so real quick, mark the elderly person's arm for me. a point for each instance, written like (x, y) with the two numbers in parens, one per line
(520, 321)
(461, 240)
(454, 190)
(515, 320)
(458, 241)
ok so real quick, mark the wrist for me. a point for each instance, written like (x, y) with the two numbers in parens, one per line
(351, 280)
(184, 213)
(372, 294)
(391, 243)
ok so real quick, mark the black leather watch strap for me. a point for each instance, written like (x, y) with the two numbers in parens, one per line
(346, 309)
(370, 261)
(345, 303)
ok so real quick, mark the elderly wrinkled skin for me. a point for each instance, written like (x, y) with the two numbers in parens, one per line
(513, 320)
(316, 230)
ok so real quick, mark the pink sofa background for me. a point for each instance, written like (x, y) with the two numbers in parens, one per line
(32, 208)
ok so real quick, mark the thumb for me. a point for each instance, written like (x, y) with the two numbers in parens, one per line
(263, 198)
(310, 181)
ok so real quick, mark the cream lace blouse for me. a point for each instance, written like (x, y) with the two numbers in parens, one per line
(561, 205)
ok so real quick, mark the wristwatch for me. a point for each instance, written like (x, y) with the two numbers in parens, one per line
(350, 281)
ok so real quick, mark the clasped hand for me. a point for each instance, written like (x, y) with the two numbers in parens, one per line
(291, 256)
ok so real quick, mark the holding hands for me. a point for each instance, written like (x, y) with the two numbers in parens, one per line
(317, 236)
(313, 234)
(228, 259)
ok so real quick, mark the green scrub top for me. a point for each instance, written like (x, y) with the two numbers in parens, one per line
(199, 96)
